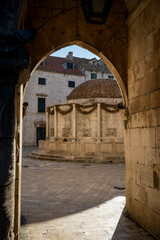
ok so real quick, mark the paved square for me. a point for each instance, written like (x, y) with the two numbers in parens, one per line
(75, 201)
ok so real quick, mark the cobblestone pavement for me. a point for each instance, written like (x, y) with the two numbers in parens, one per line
(74, 201)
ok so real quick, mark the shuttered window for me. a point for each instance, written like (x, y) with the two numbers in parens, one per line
(71, 84)
(69, 65)
(41, 104)
(110, 76)
(42, 81)
(93, 75)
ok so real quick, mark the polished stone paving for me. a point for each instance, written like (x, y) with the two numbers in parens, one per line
(74, 201)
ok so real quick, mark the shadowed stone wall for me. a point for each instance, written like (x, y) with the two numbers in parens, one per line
(142, 137)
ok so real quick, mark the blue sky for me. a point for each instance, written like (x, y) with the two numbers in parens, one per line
(77, 52)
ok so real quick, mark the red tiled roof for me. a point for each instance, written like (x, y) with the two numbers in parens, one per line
(98, 88)
(54, 64)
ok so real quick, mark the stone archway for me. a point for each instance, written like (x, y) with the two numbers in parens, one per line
(59, 23)
(104, 40)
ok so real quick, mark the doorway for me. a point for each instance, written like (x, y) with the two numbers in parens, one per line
(41, 134)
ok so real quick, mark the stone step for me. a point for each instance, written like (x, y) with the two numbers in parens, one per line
(67, 158)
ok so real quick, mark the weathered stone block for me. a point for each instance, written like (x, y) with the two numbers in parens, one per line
(7, 161)
(155, 99)
(129, 191)
(138, 210)
(138, 120)
(148, 137)
(151, 156)
(135, 137)
(134, 105)
(140, 193)
(135, 55)
(130, 171)
(149, 63)
(126, 137)
(144, 102)
(157, 21)
(143, 20)
(128, 158)
(152, 222)
(152, 118)
(158, 137)
(156, 56)
(137, 154)
(134, 89)
(134, 29)
(142, 49)
(153, 196)
(156, 38)
(144, 176)
(158, 78)
(148, 84)
(130, 76)
(149, 43)
(158, 116)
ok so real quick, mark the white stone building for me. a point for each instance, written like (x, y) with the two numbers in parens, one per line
(50, 84)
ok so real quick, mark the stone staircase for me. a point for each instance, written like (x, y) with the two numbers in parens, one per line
(39, 155)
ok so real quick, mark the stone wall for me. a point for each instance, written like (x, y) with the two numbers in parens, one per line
(142, 137)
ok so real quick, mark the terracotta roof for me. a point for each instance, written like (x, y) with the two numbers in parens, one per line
(98, 88)
(54, 64)
(86, 65)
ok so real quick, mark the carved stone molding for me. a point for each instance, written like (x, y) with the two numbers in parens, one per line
(66, 132)
(52, 132)
(111, 132)
(86, 132)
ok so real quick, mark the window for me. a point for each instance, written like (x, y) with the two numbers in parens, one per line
(71, 84)
(69, 65)
(42, 63)
(41, 104)
(93, 75)
(110, 76)
(42, 81)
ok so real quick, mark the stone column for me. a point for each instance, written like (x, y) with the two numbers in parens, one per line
(98, 121)
(47, 124)
(14, 68)
(18, 151)
(7, 155)
(74, 121)
(55, 123)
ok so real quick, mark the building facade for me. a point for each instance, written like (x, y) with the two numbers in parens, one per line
(50, 84)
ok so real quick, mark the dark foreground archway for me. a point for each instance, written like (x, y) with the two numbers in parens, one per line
(62, 22)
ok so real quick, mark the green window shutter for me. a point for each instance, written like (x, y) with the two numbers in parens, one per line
(41, 104)
(93, 75)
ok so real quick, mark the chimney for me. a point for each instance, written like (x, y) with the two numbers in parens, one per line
(70, 56)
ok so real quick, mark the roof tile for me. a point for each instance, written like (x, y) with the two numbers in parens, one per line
(98, 88)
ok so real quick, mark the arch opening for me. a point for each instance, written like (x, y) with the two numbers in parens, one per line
(29, 168)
